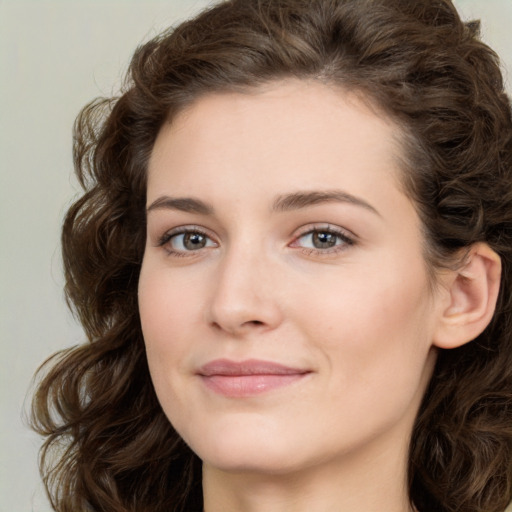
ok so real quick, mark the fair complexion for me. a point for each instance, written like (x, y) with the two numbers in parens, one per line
(289, 320)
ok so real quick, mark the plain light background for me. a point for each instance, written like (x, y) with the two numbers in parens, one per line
(55, 56)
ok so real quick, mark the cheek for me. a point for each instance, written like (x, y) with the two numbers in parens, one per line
(166, 304)
(373, 324)
(164, 312)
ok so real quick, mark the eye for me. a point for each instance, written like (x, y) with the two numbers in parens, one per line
(323, 240)
(320, 239)
(185, 240)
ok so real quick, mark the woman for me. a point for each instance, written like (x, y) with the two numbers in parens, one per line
(292, 260)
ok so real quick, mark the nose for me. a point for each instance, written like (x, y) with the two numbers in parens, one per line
(245, 297)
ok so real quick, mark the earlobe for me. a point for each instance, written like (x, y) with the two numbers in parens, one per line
(472, 292)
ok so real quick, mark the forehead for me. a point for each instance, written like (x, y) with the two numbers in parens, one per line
(292, 132)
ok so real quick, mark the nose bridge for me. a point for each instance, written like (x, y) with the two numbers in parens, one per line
(244, 296)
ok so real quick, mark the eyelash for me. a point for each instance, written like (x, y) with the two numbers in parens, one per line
(169, 235)
(341, 235)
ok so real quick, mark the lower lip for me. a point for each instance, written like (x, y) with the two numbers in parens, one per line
(239, 386)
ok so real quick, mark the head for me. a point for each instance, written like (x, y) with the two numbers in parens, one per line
(423, 71)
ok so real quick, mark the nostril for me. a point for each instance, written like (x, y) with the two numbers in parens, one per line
(238, 328)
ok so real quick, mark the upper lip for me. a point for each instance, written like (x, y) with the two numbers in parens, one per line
(248, 367)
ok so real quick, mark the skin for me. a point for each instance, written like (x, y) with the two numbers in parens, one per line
(360, 317)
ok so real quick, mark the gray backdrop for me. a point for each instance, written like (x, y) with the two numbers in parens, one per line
(55, 56)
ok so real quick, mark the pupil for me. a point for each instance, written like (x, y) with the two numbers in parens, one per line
(194, 241)
(324, 239)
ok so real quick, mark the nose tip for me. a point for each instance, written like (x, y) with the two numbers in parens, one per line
(237, 315)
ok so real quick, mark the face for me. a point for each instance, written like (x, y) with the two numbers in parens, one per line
(284, 298)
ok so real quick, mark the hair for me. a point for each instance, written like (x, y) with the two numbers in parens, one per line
(109, 446)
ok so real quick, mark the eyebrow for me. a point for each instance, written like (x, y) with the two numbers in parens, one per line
(283, 203)
(183, 204)
(298, 200)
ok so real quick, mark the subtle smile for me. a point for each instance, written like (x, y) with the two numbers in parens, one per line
(238, 379)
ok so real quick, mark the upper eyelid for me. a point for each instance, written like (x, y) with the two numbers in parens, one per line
(308, 228)
(188, 228)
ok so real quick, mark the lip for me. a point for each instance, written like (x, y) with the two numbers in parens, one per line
(238, 379)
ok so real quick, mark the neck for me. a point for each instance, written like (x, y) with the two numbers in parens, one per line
(374, 482)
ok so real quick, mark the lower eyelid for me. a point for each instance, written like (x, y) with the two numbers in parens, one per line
(322, 253)
(180, 253)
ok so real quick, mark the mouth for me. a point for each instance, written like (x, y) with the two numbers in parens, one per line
(238, 379)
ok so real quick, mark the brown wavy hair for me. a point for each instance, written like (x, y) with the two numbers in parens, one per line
(109, 446)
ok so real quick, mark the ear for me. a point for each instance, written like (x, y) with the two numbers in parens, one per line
(469, 298)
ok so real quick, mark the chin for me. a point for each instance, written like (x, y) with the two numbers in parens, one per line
(262, 462)
(239, 449)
